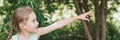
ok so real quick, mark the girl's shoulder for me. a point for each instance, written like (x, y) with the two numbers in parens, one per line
(34, 37)
(14, 37)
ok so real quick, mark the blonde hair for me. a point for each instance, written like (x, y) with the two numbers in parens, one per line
(20, 15)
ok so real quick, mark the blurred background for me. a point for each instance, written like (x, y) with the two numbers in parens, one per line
(104, 23)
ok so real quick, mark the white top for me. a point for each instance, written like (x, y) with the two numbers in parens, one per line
(33, 37)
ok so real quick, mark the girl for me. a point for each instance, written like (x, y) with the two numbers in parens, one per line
(24, 22)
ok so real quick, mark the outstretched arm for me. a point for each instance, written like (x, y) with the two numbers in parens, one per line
(62, 23)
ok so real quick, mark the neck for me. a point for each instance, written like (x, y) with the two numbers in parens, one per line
(24, 34)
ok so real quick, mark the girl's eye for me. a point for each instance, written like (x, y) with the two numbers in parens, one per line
(33, 20)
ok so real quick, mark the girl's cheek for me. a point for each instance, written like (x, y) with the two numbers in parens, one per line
(32, 25)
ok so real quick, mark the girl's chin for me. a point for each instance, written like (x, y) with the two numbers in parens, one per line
(36, 29)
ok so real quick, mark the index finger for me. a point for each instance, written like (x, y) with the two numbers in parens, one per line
(89, 13)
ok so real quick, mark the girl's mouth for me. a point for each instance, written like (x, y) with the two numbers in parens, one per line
(36, 27)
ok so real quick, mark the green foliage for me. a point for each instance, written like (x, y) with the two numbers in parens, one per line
(44, 10)
(113, 33)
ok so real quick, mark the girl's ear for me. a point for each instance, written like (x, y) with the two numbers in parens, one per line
(21, 26)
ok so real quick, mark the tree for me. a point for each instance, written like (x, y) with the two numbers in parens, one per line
(45, 9)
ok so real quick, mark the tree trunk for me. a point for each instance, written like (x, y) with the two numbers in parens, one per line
(100, 18)
(90, 26)
(97, 19)
(103, 7)
(84, 23)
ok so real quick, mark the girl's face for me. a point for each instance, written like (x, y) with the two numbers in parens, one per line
(31, 23)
